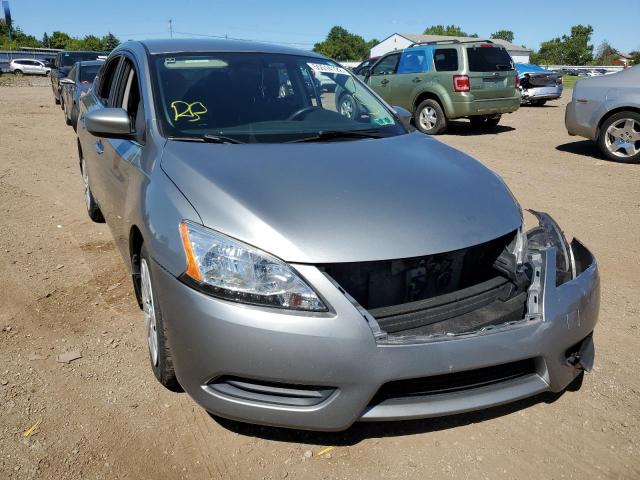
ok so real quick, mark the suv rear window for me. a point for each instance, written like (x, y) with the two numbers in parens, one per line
(446, 60)
(489, 59)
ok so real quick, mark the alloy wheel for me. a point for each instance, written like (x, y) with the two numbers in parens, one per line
(149, 312)
(347, 107)
(428, 118)
(622, 138)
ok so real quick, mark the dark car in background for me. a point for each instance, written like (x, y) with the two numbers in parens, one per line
(62, 65)
(537, 84)
(361, 68)
(75, 86)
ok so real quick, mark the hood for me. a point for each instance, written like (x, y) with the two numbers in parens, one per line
(373, 199)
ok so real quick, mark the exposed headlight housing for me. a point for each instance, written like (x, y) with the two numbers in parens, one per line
(229, 269)
(549, 234)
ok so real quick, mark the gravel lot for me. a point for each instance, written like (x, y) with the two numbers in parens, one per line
(65, 288)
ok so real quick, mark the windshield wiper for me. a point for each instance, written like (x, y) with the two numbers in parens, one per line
(208, 138)
(332, 134)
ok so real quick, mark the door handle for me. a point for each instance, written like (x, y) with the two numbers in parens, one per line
(99, 147)
(384, 81)
(416, 80)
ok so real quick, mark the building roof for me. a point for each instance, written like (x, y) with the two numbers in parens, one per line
(435, 38)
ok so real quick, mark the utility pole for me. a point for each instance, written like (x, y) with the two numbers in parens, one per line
(170, 28)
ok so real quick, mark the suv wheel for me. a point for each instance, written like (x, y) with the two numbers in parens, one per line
(430, 118)
(66, 113)
(486, 122)
(159, 351)
(347, 106)
(18, 73)
(619, 137)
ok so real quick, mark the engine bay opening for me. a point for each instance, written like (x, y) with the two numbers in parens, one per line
(446, 293)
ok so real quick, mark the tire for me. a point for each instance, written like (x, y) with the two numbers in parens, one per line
(66, 114)
(56, 100)
(17, 73)
(538, 103)
(159, 350)
(93, 210)
(347, 106)
(429, 117)
(619, 137)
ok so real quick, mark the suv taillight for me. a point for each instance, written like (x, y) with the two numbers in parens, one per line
(461, 83)
(559, 81)
(517, 81)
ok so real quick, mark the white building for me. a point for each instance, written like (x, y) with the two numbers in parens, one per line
(398, 41)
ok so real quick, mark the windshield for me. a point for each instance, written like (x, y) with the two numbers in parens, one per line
(69, 58)
(264, 98)
(88, 73)
(489, 59)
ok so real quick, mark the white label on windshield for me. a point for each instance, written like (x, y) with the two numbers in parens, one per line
(322, 68)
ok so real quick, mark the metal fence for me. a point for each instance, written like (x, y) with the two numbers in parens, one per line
(6, 56)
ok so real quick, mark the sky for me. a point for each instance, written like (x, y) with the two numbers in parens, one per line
(301, 23)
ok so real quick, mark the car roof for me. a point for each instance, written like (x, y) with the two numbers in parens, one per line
(90, 63)
(186, 45)
(23, 59)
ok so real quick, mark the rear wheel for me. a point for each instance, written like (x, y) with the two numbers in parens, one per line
(347, 106)
(93, 210)
(619, 137)
(159, 351)
(430, 118)
(484, 122)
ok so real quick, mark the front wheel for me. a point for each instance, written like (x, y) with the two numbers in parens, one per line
(159, 350)
(347, 106)
(619, 137)
(430, 118)
(17, 73)
(66, 113)
(93, 210)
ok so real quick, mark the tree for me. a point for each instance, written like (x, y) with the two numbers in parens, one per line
(61, 40)
(635, 57)
(18, 38)
(507, 35)
(342, 45)
(46, 41)
(448, 30)
(91, 42)
(109, 42)
(571, 49)
(605, 54)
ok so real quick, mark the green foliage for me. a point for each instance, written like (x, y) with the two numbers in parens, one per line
(342, 45)
(635, 57)
(448, 30)
(571, 49)
(57, 39)
(507, 35)
(605, 54)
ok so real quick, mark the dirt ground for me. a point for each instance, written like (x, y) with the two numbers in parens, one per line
(65, 288)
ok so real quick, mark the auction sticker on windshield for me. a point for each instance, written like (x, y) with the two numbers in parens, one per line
(322, 68)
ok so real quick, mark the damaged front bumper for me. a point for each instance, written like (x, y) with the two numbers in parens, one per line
(325, 371)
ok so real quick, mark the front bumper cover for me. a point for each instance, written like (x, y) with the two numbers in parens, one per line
(211, 338)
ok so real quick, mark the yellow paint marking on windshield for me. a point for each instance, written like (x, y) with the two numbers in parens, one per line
(192, 111)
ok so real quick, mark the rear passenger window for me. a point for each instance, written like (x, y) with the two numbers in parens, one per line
(413, 61)
(446, 60)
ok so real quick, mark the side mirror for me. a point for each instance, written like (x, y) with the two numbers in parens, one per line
(108, 123)
(67, 81)
(405, 116)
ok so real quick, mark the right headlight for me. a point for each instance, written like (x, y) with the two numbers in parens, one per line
(229, 269)
(549, 234)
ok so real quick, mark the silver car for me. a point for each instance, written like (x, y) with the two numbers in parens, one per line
(302, 268)
(606, 109)
(29, 66)
(538, 85)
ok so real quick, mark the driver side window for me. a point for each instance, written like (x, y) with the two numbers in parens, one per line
(386, 66)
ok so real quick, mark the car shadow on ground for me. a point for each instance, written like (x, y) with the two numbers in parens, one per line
(464, 129)
(586, 148)
(361, 431)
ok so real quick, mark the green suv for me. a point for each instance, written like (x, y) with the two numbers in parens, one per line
(445, 80)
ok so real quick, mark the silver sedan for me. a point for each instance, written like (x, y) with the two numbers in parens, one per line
(606, 110)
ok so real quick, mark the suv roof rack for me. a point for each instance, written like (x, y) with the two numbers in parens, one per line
(452, 40)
